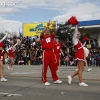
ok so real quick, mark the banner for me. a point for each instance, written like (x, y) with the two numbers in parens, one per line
(35, 29)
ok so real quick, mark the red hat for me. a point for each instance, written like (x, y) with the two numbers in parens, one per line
(1, 44)
(73, 20)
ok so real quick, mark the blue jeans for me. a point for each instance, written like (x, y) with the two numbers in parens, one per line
(93, 62)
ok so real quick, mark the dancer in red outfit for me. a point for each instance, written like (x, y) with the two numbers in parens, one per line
(86, 53)
(79, 57)
(1, 57)
(47, 41)
(11, 54)
(57, 48)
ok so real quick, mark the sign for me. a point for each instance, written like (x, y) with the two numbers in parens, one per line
(88, 45)
(35, 29)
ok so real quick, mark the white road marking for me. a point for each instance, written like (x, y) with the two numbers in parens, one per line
(9, 95)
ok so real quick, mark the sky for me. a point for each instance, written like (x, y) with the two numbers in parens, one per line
(15, 12)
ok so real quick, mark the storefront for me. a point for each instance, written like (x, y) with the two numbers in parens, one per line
(92, 26)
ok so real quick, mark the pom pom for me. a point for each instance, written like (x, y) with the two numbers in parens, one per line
(73, 20)
(86, 52)
(8, 31)
(1, 44)
(85, 39)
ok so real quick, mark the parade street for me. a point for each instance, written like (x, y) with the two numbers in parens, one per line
(24, 83)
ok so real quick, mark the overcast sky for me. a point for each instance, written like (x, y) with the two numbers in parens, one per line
(15, 12)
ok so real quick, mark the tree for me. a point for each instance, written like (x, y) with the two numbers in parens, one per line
(64, 32)
(1, 35)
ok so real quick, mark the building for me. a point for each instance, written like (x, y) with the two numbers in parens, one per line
(93, 26)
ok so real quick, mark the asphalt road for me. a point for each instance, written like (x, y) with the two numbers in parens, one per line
(25, 84)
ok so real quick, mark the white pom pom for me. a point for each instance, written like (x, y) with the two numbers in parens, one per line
(86, 51)
(7, 30)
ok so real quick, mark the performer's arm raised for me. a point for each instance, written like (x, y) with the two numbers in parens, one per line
(8, 31)
(4, 37)
(15, 45)
(42, 33)
(75, 36)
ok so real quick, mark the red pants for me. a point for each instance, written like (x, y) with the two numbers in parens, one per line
(48, 60)
(57, 60)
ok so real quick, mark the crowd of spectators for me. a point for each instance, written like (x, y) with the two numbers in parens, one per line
(29, 52)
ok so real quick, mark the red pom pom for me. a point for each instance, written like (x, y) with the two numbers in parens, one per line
(1, 44)
(85, 39)
(73, 20)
